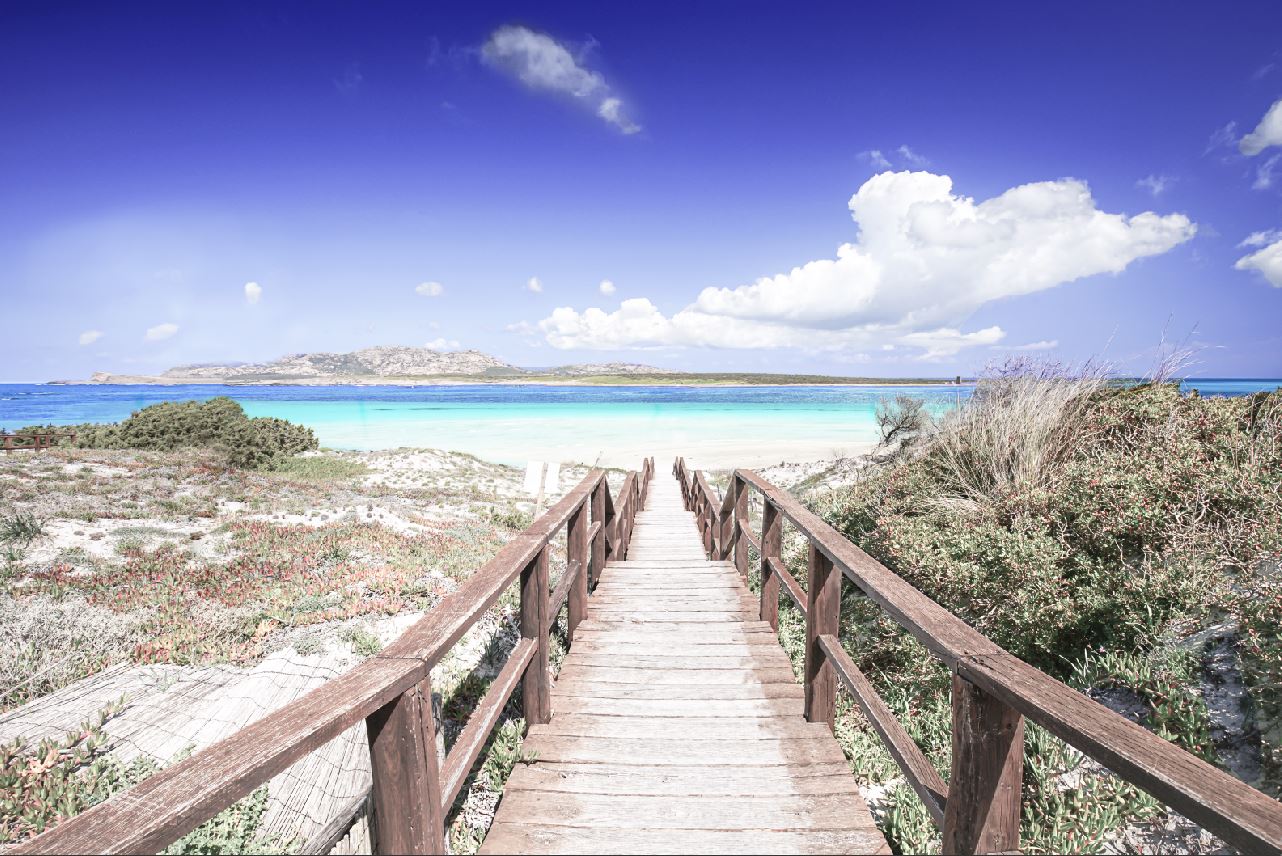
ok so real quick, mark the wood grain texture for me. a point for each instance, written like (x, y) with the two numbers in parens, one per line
(920, 773)
(577, 558)
(982, 815)
(405, 798)
(770, 547)
(677, 719)
(537, 684)
(823, 614)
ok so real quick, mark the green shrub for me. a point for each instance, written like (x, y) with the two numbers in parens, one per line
(1083, 543)
(219, 424)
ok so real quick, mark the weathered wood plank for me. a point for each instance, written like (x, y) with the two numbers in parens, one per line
(710, 677)
(690, 811)
(677, 707)
(707, 781)
(544, 838)
(603, 689)
(823, 616)
(676, 751)
(982, 813)
(700, 727)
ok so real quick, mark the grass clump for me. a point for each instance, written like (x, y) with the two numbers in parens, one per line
(317, 468)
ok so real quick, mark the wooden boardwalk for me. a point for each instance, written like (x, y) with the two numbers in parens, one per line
(677, 722)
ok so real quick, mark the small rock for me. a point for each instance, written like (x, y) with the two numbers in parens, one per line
(80, 533)
(196, 536)
(97, 536)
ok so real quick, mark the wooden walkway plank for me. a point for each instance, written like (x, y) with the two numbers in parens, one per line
(677, 722)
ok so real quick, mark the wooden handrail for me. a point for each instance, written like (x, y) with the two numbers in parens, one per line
(992, 693)
(34, 442)
(391, 692)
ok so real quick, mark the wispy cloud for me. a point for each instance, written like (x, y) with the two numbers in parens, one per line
(911, 157)
(429, 289)
(607, 287)
(1222, 138)
(1260, 239)
(161, 332)
(1265, 173)
(89, 337)
(1043, 345)
(1156, 184)
(349, 82)
(904, 156)
(924, 261)
(534, 284)
(253, 293)
(542, 63)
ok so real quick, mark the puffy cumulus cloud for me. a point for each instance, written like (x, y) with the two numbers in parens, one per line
(607, 287)
(544, 64)
(89, 337)
(161, 332)
(429, 289)
(1267, 261)
(253, 292)
(534, 284)
(1267, 133)
(924, 260)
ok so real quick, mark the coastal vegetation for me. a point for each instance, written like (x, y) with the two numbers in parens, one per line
(218, 424)
(1124, 538)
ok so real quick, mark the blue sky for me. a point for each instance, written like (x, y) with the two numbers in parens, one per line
(1017, 178)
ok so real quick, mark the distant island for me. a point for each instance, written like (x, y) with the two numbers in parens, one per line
(410, 366)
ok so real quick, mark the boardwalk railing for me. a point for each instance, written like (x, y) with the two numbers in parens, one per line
(993, 691)
(391, 691)
(45, 440)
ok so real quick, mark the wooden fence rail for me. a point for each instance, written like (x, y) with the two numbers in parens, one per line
(35, 442)
(392, 693)
(993, 691)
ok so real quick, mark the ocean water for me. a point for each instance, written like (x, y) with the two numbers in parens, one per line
(514, 424)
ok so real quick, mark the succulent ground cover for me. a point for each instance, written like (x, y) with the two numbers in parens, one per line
(111, 556)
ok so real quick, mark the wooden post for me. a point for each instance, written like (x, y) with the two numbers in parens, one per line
(598, 543)
(771, 547)
(982, 812)
(727, 532)
(741, 521)
(536, 686)
(576, 550)
(405, 798)
(823, 616)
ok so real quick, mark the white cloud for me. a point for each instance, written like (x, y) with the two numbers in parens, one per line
(1268, 261)
(542, 63)
(1264, 173)
(1267, 133)
(534, 285)
(607, 287)
(1222, 138)
(924, 260)
(89, 337)
(1259, 239)
(1043, 345)
(876, 158)
(442, 344)
(1156, 184)
(429, 289)
(253, 292)
(911, 157)
(160, 332)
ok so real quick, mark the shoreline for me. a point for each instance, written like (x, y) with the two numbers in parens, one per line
(475, 381)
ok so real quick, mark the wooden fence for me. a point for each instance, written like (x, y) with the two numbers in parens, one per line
(16, 442)
(412, 790)
(993, 691)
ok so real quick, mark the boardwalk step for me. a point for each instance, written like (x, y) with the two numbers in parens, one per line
(677, 722)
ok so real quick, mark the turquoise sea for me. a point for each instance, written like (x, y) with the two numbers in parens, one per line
(513, 424)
